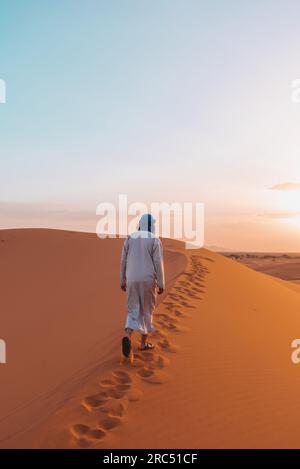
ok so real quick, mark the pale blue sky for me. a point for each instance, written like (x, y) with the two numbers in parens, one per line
(162, 100)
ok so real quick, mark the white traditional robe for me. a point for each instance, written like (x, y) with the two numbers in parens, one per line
(141, 271)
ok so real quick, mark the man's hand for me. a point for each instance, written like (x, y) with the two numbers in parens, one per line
(123, 287)
(160, 291)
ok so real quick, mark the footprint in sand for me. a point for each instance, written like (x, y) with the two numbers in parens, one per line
(184, 283)
(112, 412)
(198, 289)
(110, 403)
(137, 362)
(169, 325)
(115, 408)
(188, 291)
(170, 322)
(180, 314)
(158, 334)
(187, 305)
(85, 436)
(116, 393)
(175, 297)
(152, 376)
(122, 377)
(94, 401)
(152, 360)
(178, 302)
(166, 318)
(170, 305)
(106, 383)
(109, 422)
(111, 384)
(166, 346)
(149, 366)
(115, 390)
(198, 284)
(195, 296)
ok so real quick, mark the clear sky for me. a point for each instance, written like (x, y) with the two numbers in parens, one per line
(165, 100)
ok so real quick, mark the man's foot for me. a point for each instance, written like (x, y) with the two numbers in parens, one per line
(147, 346)
(126, 346)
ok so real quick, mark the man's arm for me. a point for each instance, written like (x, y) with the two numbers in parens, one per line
(123, 264)
(159, 265)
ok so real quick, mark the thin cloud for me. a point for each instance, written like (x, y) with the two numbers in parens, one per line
(286, 186)
(278, 215)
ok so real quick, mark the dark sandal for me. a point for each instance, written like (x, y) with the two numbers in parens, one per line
(148, 346)
(126, 346)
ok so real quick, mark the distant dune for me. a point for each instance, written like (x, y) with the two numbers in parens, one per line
(285, 266)
(220, 376)
(218, 249)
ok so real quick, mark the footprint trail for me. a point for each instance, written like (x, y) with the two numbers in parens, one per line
(120, 388)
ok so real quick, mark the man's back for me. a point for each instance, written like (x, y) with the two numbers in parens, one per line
(142, 259)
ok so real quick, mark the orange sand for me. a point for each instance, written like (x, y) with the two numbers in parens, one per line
(220, 375)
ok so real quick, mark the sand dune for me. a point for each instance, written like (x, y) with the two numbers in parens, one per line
(62, 314)
(284, 266)
(220, 376)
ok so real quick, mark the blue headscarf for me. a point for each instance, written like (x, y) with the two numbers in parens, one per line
(147, 222)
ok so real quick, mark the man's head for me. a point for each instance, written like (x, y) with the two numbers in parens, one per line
(147, 223)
